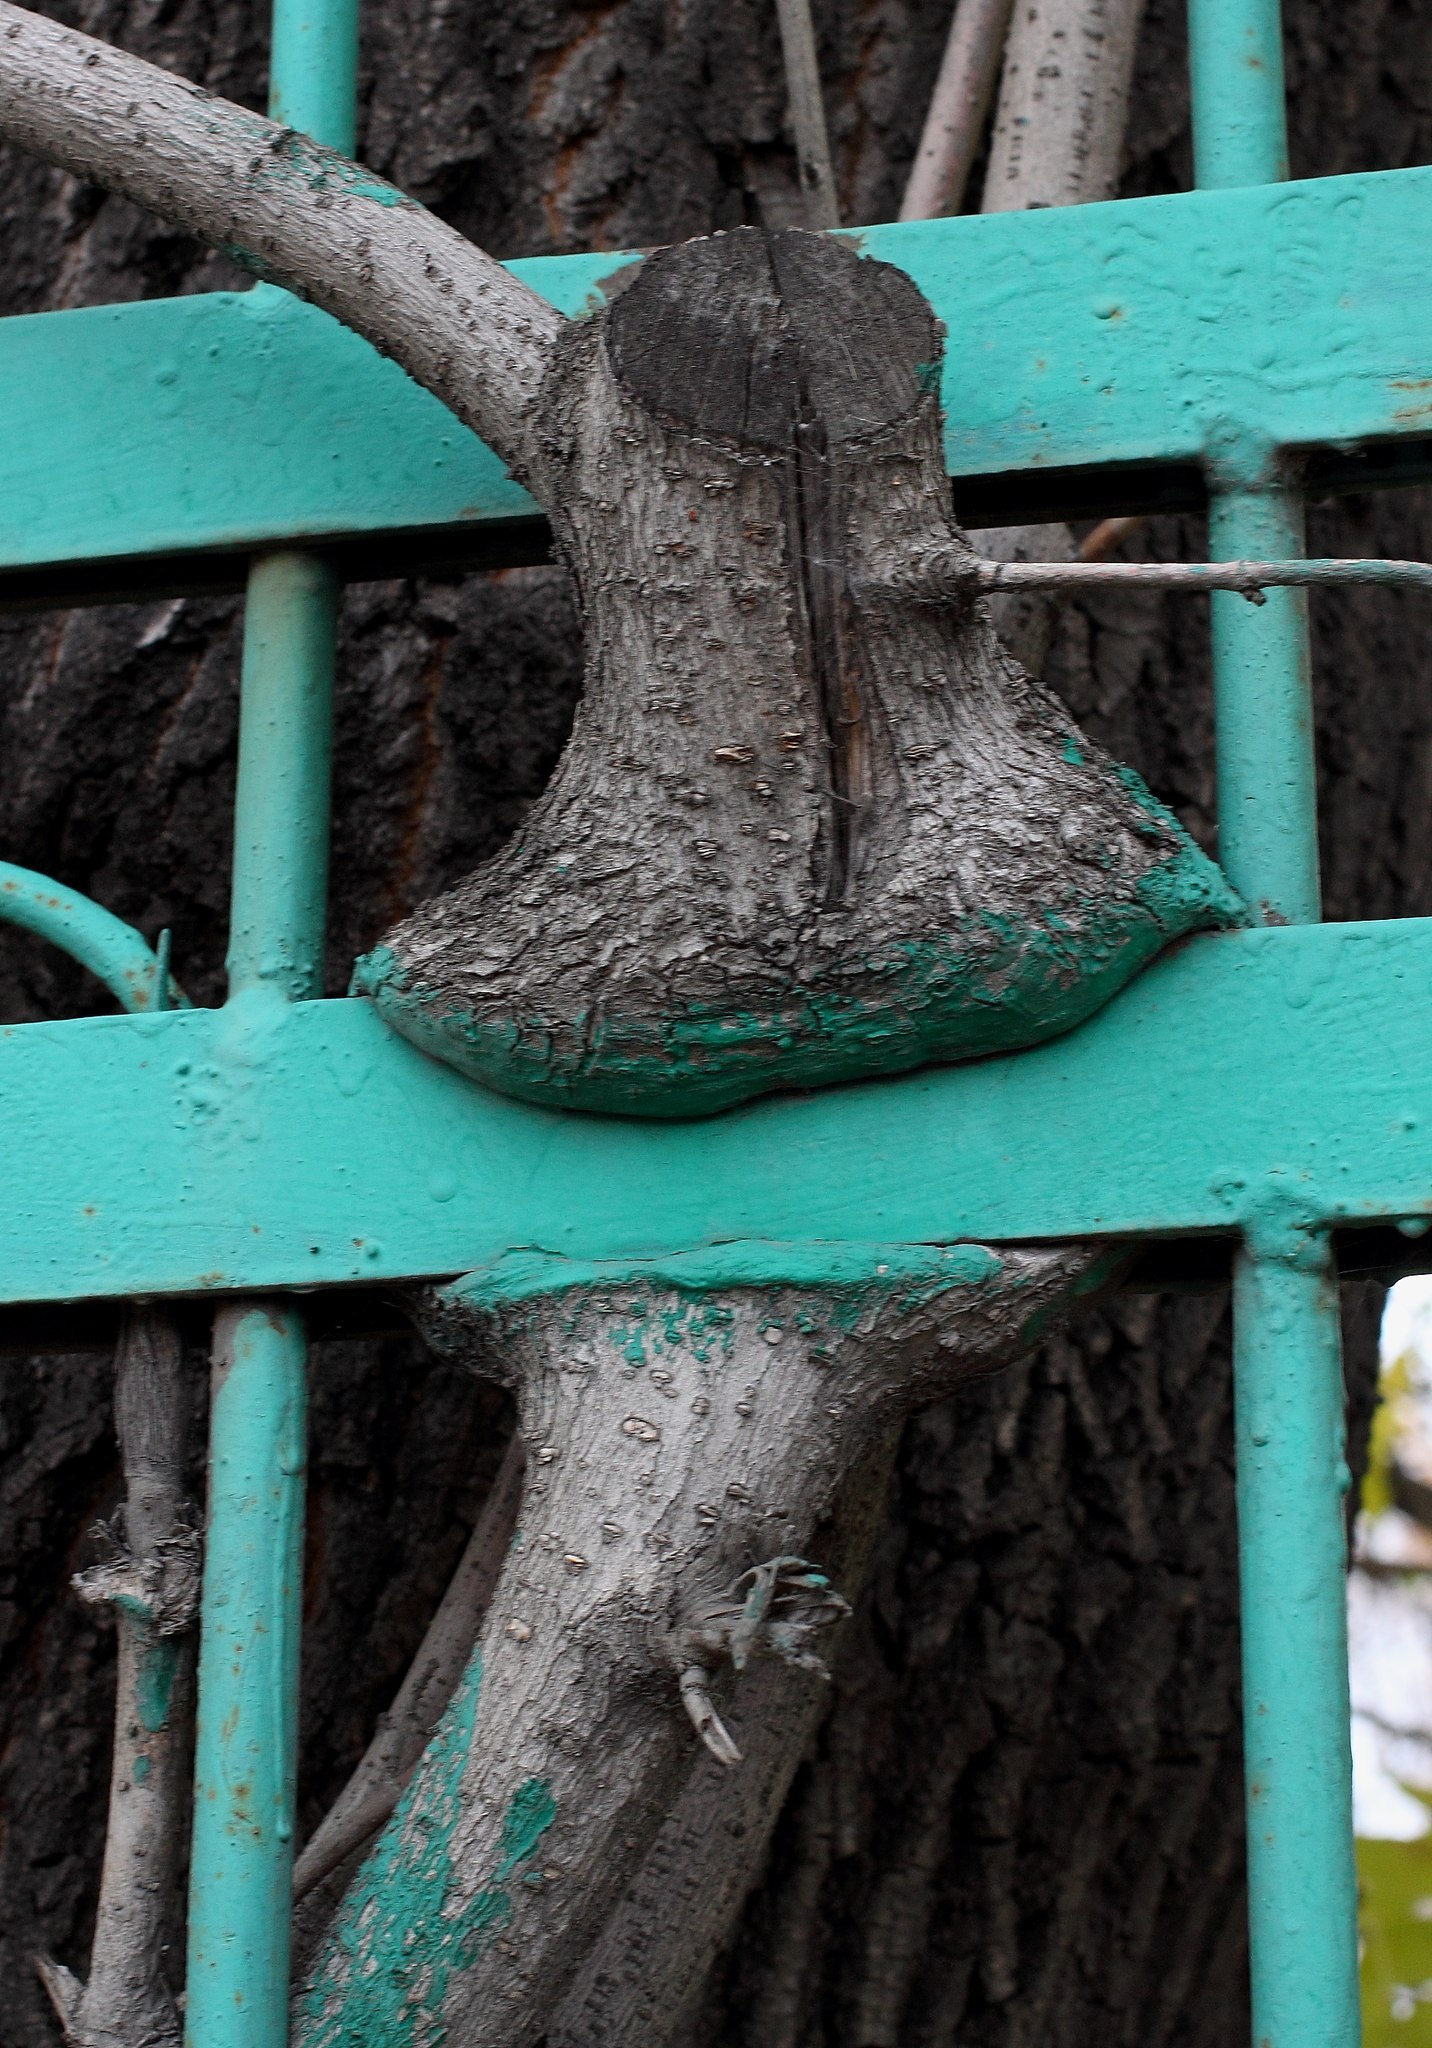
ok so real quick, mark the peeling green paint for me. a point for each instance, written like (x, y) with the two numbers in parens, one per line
(288, 157)
(748, 1262)
(383, 1975)
(154, 1688)
(992, 984)
(851, 1278)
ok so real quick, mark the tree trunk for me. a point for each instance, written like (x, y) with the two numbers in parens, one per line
(1023, 1819)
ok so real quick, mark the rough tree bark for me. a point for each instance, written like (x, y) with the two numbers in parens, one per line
(685, 1441)
(1065, 1573)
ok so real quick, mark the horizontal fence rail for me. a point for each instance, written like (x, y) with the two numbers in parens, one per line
(1096, 355)
(1277, 1078)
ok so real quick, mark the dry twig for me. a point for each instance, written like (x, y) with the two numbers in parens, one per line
(964, 88)
(822, 209)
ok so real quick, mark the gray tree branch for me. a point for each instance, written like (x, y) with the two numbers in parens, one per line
(301, 215)
(638, 1983)
(807, 111)
(964, 87)
(151, 1580)
(676, 1439)
(1063, 103)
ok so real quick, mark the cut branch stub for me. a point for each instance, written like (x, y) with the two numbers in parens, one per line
(807, 827)
(688, 1429)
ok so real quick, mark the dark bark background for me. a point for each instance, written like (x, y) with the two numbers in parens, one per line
(1023, 1824)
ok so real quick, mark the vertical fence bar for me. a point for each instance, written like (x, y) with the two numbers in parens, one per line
(313, 69)
(240, 1882)
(240, 1875)
(1292, 1477)
(1287, 1348)
(281, 803)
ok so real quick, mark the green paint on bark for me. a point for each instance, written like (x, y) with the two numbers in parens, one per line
(402, 1934)
(154, 1686)
(714, 1269)
(991, 984)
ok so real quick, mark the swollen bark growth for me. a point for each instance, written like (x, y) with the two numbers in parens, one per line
(808, 826)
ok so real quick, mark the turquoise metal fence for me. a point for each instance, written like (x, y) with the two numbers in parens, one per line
(1273, 1083)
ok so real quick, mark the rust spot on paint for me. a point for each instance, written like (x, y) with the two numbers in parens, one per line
(1412, 414)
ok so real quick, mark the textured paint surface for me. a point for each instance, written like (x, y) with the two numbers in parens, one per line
(1173, 329)
(524, 1275)
(159, 1666)
(993, 984)
(375, 1986)
(1281, 1071)
(282, 801)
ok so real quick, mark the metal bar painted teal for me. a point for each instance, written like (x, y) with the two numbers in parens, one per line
(1263, 701)
(242, 1865)
(1147, 331)
(1292, 1480)
(313, 69)
(1267, 796)
(281, 805)
(112, 950)
(1287, 1357)
(1235, 54)
(239, 1898)
(1283, 1073)
(245, 1754)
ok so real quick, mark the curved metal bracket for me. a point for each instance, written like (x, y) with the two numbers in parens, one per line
(113, 951)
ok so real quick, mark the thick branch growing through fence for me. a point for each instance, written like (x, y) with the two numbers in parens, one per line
(810, 826)
(685, 1442)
